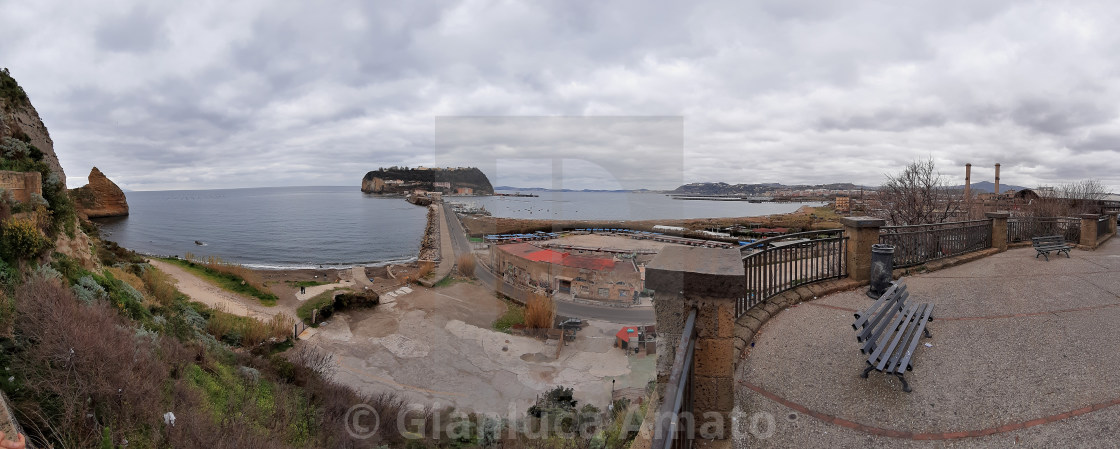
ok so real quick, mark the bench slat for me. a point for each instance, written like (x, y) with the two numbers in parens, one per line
(904, 363)
(862, 317)
(871, 334)
(891, 340)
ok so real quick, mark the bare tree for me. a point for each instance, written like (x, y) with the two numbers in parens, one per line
(1066, 200)
(918, 195)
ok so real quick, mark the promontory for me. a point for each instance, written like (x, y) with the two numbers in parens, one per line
(401, 180)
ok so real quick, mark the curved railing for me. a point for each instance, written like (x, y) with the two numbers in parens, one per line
(918, 244)
(781, 263)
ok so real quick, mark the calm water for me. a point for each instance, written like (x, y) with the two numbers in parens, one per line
(621, 206)
(340, 226)
(272, 227)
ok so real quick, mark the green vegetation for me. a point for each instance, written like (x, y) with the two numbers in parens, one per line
(307, 283)
(20, 239)
(328, 303)
(513, 316)
(323, 302)
(226, 280)
(10, 91)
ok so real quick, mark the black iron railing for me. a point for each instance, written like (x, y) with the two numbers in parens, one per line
(918, 244)
(674, 424)
(777, 264)
(1022, 229)
(1102, 226)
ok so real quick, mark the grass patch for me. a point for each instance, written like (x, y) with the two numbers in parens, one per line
(476, 239)
(228, 281)
(448, 281)
(307, 283)
(320, 302)
(514, 315)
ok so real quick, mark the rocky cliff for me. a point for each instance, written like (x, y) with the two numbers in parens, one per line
(20, 121)
(100, 198)
(462, 180)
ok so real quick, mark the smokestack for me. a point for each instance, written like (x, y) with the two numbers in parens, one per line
(997, 178)
(968, 181)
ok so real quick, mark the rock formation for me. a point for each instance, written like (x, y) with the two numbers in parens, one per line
(399, 180)
(100, 198)
(19, 120)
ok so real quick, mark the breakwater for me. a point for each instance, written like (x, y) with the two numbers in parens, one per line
(430, 243)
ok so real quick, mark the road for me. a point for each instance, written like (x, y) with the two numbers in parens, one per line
(621, 315)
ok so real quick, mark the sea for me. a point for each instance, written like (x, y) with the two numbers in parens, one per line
(339, 227)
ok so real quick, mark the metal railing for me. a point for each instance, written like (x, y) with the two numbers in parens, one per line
(674, 424)
(918, 244)
(1022, 229)
(1102, 226)
(777, 264)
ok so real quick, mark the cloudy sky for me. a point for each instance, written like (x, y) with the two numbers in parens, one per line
(209, 94)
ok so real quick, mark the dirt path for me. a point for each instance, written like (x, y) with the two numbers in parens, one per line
(211, 295)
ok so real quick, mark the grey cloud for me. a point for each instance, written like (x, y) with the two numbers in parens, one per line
(261, 93)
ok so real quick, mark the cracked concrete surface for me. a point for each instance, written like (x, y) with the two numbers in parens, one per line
(435, 347)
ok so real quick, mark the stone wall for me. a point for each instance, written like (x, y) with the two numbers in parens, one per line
(21, 184)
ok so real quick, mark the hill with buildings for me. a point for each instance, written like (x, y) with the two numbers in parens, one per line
(725, 189)
(459, 180)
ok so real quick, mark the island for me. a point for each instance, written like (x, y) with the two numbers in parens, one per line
(404, 180)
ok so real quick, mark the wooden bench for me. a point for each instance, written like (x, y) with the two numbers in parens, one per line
(890, 330)
(1043, 245)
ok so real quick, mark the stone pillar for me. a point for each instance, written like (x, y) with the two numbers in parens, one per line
(999, 228)
(710, 280)
(862, 232)
(1111, 222)
(1089, 230)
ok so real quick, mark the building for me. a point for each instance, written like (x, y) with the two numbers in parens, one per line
(843, 204)
(591, 276)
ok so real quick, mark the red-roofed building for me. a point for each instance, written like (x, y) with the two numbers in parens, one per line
(600, 277)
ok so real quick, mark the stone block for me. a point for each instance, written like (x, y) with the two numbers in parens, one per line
(712, 394)
(747, 325)
(697, 272)
(715, 357)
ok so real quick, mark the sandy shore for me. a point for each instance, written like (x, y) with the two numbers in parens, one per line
(216, 297)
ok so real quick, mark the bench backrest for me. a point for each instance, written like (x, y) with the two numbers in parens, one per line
(1048, 240)
(871, 322)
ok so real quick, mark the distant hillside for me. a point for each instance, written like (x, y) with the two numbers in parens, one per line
(723, 188)
(990, 187)
(449, 180)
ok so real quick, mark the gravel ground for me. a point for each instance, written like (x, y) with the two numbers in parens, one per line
(1015, 339)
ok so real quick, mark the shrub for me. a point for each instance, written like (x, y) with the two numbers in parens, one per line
(513, 316)
(540, 311)
(361, 299)
(21, 240)
(466, 265)
(88, 290)
(159, 286)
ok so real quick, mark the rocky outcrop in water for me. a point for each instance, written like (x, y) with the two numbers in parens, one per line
(394, 180)
(100, 198)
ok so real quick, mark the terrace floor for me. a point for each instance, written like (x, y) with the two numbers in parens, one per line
(1025, 352)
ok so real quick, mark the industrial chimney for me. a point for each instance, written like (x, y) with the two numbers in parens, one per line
(997, 178)
(967, 181)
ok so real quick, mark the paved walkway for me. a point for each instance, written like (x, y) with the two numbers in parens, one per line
(1024, 353)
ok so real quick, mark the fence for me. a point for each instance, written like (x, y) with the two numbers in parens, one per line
(669, 431)
(777, 264)
(1024, 228)
(1103, 226)
(918, 244)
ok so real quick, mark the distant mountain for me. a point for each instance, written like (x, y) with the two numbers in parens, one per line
(990, 187)
(723, 188)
